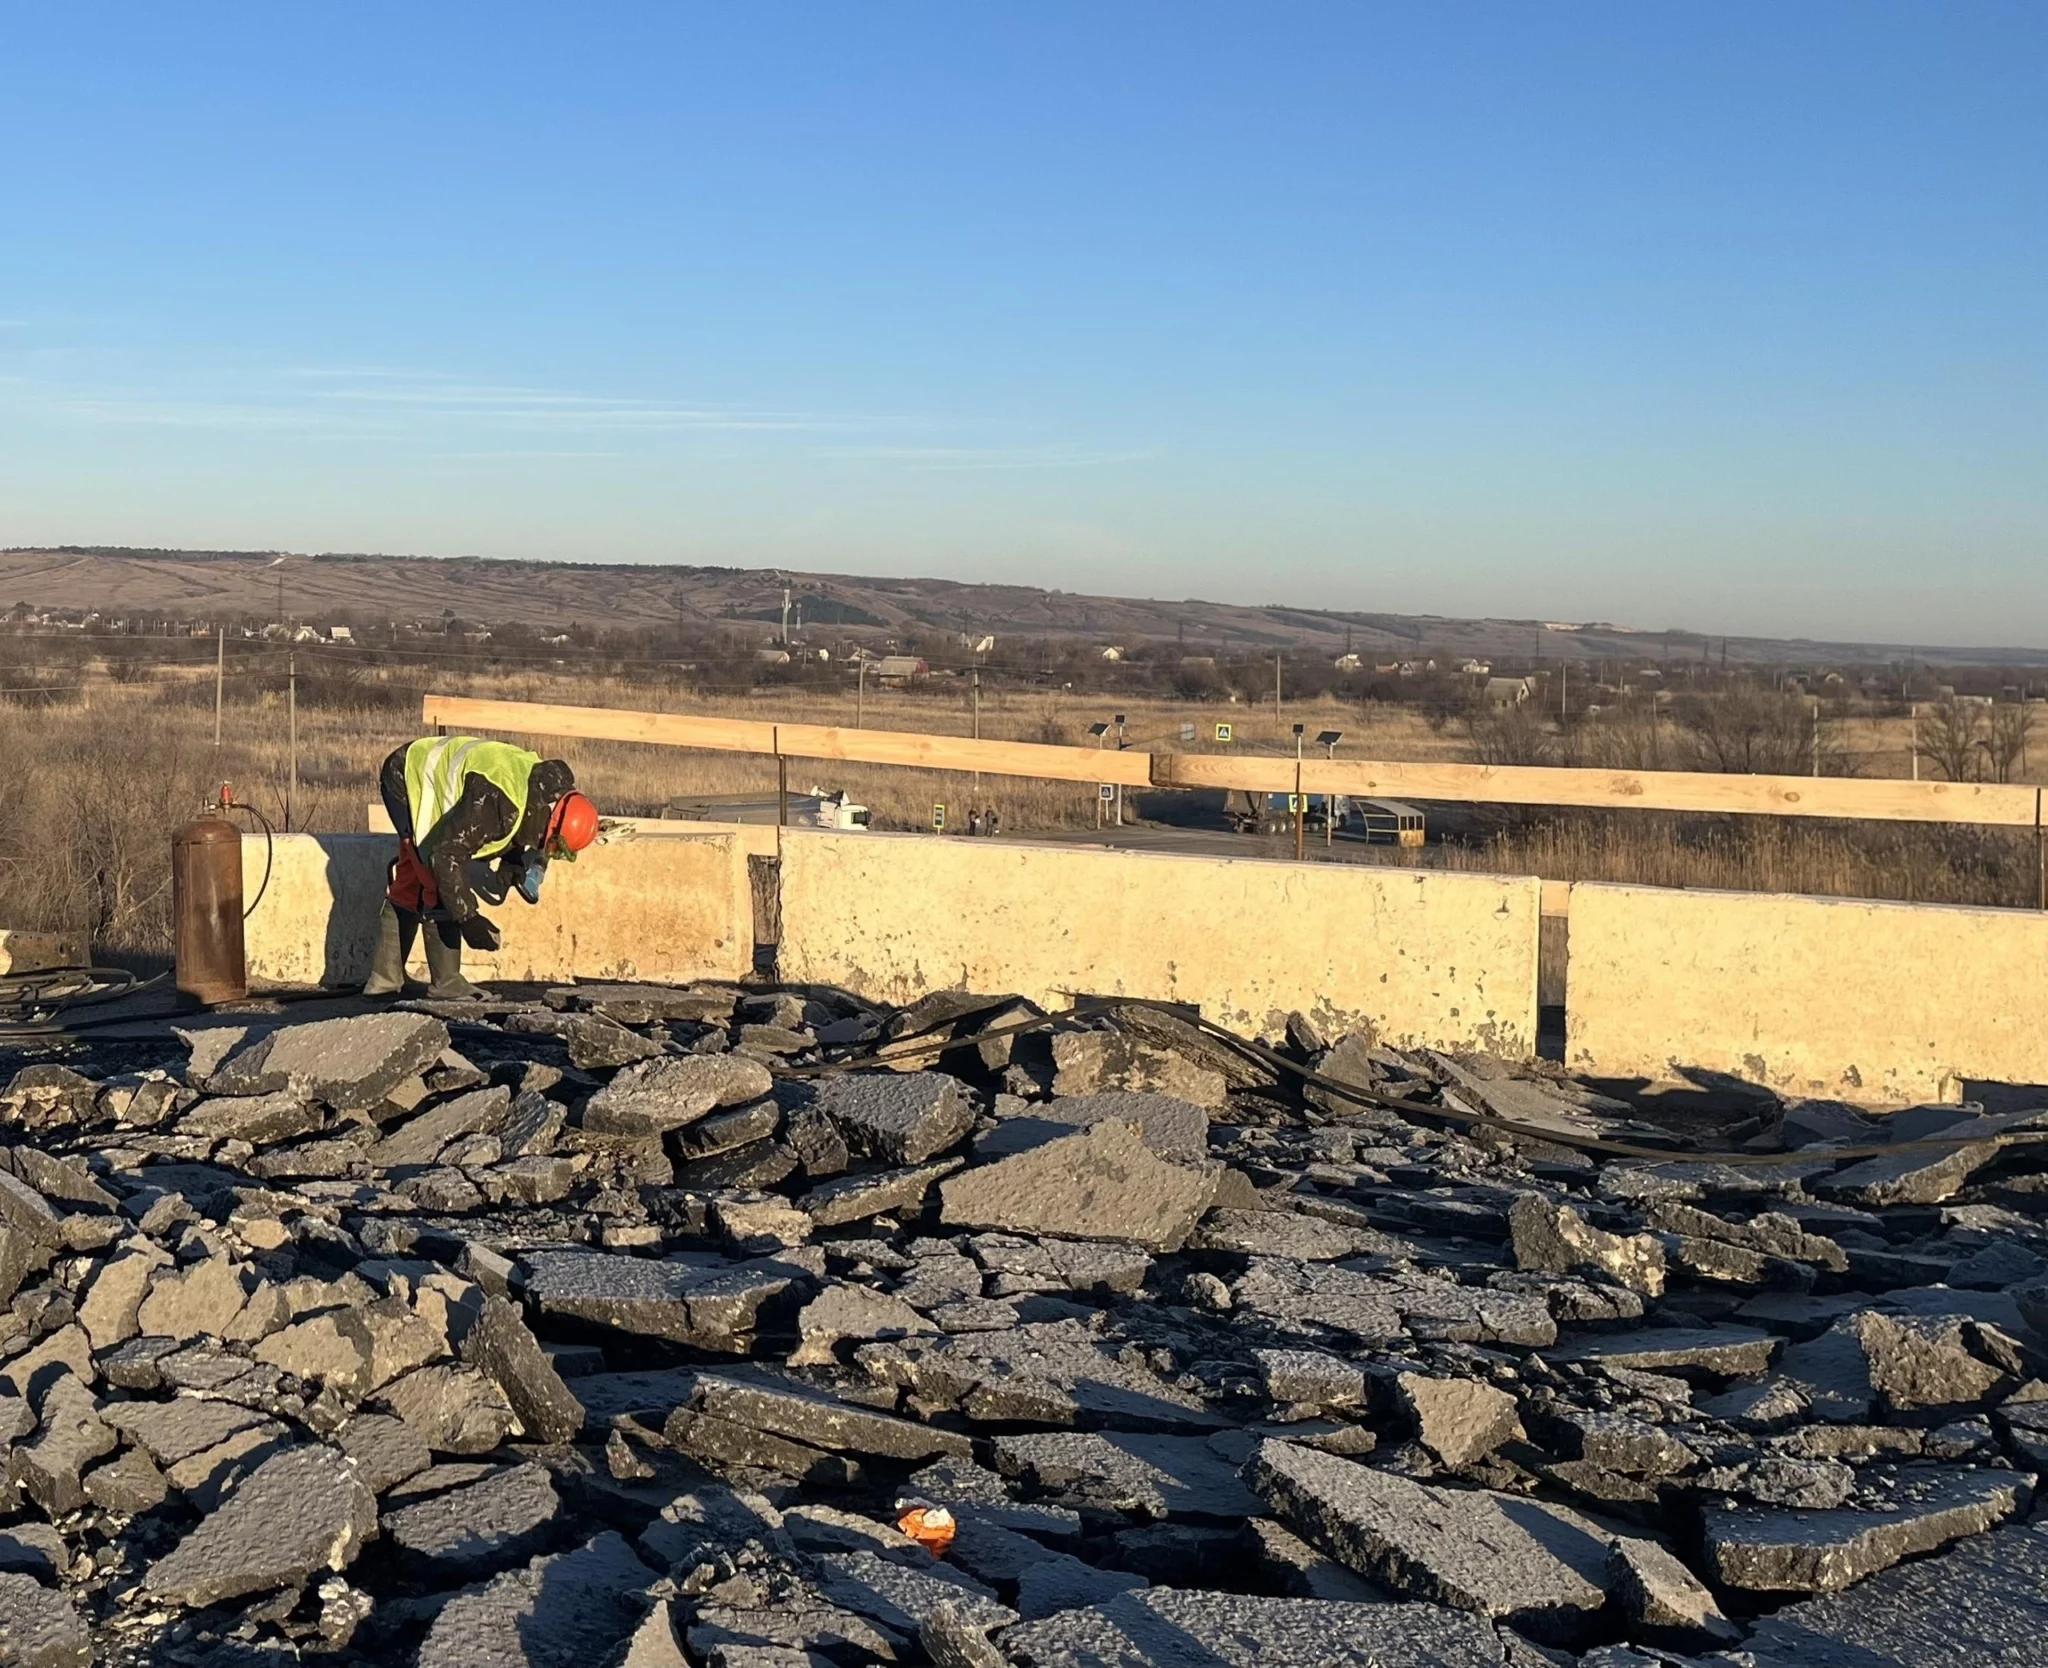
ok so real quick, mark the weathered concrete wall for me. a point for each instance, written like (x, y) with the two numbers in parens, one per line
(673, 908)
(1427, 959)
(1880, 1003)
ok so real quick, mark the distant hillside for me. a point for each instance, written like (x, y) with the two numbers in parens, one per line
(199, 584)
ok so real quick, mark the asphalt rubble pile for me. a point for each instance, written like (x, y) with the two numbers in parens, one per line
(650, 1326)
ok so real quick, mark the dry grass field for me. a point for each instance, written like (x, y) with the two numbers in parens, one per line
(100, 773)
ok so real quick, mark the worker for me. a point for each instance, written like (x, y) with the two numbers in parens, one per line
(455, 800)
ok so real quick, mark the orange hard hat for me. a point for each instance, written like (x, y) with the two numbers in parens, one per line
(574, 824)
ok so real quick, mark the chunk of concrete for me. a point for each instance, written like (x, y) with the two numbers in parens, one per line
(385, 1448)
(500, 1520)
(1157, 1476)
(1175, 1628)
(49, 1467)
(1287, 1233)
(710, 1303)
(501, 1346)
(330, 1349)
(1916, 1510)
(261, 1120)
(783, 1406)
(843, 1312)
(1097, 1062)
(1378, 1308)
(1170, 1126)
(1718, 1351)
(456, 1410)
(199, 1301)
(1309, 1376)
(127, 1484)
(420, 1138)
(1103, 1183)
(351, 1063)
(1552, 1238)
(1046, 1373)
(897, 1117)
(900, 1595)
(1539, 1568)
(40, 1628)
(570, 1610)
(113, 1301)
(845, 1199)
(300, 1512)
(1984, 1601)
(1906, 1363)
(1662, 1597)
(1459, 1420)
(176, 1430)
(656, 1096)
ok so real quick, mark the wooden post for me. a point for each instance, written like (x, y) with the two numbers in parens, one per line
(291, 708)
(220, 674)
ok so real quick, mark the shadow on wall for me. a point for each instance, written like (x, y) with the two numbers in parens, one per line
(358, 870)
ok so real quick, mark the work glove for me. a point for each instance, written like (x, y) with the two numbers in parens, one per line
(479, 934)
(529, 882)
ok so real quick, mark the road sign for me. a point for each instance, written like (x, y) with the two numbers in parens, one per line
(1105, 791)
(939, 818)
(1297, 802)
(1223, 732)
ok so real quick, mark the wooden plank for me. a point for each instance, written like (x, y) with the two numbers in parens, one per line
(1990, 804)
(1993, 804)
(801, 741)
(1557, 898)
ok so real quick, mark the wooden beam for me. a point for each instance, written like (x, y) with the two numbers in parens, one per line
(798, 741)
(1885, 800)
(1998, 805)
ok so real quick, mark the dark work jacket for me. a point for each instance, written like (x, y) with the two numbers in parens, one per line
(481, 816)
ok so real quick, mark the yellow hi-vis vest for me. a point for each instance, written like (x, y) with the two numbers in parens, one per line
(435, 767)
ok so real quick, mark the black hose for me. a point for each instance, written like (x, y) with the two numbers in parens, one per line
(269, 851)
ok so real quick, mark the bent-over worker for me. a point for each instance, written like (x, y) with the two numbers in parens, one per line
(456, 800)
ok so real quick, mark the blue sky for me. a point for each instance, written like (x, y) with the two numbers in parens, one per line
(1724, 316)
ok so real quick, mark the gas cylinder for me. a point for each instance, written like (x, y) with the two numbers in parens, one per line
(206, 906)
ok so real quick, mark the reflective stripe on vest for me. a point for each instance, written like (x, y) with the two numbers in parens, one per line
(435, 770)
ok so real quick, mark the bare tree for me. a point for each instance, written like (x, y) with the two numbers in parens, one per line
(1952, 737)
(2005, 739)
(1752, 731)
(1516, 735)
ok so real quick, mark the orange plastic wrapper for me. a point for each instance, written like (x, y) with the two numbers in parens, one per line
(930, 1526)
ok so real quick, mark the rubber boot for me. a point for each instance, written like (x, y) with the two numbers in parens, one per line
(444, 970)
(387, 960)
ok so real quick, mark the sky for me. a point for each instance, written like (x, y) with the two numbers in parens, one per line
(1727, 316)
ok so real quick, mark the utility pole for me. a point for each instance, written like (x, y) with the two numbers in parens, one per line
(1916, 742)
(291, 707)
(1816, 738)
(1300, 803)
(1564, 688)
(220, 676)
(860, 695)
(785, 616)
(1277, 724)
(974, 699)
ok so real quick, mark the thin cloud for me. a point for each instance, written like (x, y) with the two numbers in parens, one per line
(992, 457)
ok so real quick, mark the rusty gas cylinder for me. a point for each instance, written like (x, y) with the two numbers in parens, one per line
(206, 905)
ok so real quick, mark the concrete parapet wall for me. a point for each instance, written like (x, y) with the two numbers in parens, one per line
(672, 908)
(1879, 1003)
(1440, 960)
